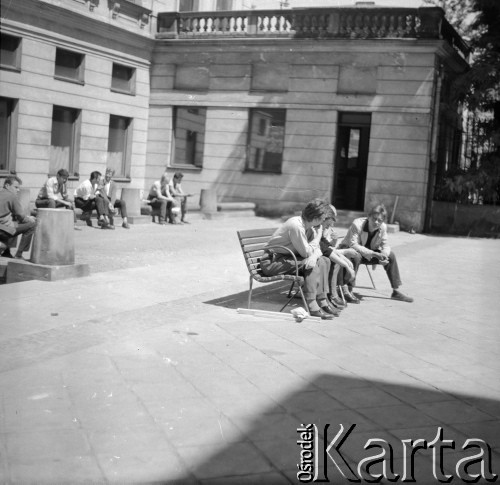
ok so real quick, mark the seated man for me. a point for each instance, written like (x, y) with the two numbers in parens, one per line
(344, 262)
(302, 234)
(13, 220)
(368, 236)
(177, 193)
(88, 197)
(54, 194)
(109, 189)
(161, 199)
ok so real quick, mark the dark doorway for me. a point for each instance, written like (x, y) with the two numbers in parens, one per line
(351, 161)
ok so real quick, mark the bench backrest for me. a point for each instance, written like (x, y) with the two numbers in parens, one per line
(252, 242)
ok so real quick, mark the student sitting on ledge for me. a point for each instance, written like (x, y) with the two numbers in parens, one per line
(13, 220)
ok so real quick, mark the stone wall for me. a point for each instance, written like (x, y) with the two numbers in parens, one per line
(314, 82)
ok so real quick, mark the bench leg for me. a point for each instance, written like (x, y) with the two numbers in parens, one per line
(250, 293)
(293, 296)
(370, 275)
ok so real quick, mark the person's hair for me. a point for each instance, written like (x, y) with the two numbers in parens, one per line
(164, 179)
(316, 209)
(110, 171)
(178, 175)
(63, 173)
(378, 210)
(9, 180)
(331, 212)
(95, 174)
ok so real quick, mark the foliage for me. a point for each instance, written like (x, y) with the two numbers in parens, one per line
(479, 22)
(479, 185)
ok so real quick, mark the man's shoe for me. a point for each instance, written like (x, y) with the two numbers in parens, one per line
(21, 257)
(350, 298)
(125, 225)
(397, 295)
(7, 253)
(331, 310)
(321, 314)
(111, 226)
(337, 302)
(78, 228)
(185, 222)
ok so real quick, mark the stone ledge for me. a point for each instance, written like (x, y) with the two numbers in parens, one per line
(18, 271)
(231, 206)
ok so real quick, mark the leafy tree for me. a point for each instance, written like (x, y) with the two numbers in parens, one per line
(478, 21)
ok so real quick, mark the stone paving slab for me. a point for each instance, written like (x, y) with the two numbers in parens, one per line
(165, 382)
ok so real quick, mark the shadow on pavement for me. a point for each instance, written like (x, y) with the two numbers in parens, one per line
(267, 451)
(270, 297)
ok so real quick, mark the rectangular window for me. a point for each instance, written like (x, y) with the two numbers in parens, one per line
(189, 6)
(123, 79)
(224, 5)
(120, 145)
(65, 140)
(189, 136)
(69, 66)
(10, 52)
(266, 140)
(8, 130)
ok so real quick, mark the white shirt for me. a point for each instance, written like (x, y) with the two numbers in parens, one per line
(85, 190)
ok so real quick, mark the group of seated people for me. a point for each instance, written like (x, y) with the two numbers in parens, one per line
(96, 193)
(330, 269)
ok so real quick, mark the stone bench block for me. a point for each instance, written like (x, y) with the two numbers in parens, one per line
(18, 271)
(235, 206)
(53, 241)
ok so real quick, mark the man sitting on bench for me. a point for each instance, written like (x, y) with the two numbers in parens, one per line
(88, 197)
(54, 194)
(302, 234)
(13, 220)
(368, 236)
(109, 188)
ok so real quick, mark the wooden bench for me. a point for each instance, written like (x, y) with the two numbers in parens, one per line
(252, 242)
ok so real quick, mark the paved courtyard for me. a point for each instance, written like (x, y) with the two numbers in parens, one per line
(145, 371)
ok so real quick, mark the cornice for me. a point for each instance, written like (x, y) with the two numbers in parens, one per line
(58, 22)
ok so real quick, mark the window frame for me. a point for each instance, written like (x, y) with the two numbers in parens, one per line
(194, 135)
(249, 166)
(11, 135)
(74, 159)
(79, 77)
(131, 81)
(127, 146)
(16, 65)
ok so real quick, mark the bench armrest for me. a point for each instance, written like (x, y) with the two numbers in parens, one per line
(293, 256)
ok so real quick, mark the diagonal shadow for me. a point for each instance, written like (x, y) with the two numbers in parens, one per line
(266, 452)
(270, 297)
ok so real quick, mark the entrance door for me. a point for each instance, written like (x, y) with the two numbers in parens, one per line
(351, 161)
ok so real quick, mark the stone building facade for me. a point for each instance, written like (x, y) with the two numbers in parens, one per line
(273, 107)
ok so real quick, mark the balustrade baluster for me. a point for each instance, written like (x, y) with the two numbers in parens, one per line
(391, 30)
(260, 24)
(401, 26)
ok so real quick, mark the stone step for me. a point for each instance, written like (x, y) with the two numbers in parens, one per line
(235, 206)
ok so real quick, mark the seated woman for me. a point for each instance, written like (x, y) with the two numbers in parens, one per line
(302, 234)
(344, 263)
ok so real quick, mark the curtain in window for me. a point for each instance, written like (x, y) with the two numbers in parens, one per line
(117, 144)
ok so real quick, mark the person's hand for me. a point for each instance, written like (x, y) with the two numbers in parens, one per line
(382, 259)
(111, 207)
(30, 218)
(318, 231)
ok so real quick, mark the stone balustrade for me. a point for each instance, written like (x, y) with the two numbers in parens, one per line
(314, 23)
